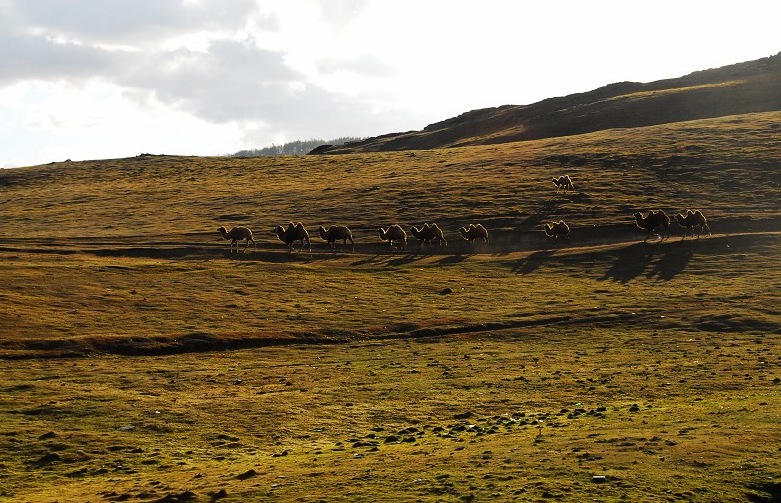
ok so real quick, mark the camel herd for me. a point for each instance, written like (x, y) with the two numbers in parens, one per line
(659, 220)
(431, 233)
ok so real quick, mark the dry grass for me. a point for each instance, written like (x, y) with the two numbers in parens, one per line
(507, 371)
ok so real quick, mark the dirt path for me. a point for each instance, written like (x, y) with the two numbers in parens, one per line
(503, 242)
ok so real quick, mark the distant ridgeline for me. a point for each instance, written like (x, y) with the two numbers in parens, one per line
(293, 147)
(742, 88)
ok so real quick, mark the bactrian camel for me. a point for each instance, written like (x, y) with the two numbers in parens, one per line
(237, 234)
(473, 232)
(649, 223)
(691, 220)
(427, 234)
(556, 229)
(294, 232)
(393, 233)
(563, 182)
(335, 233)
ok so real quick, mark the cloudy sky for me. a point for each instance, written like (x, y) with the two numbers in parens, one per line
(95, 79)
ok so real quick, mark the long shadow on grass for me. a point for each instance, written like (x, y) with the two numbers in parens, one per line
(665, 260)
(406, 259)
(671, 263)
(630, 262)
(532, 262)
(452, 259)
(389, 259)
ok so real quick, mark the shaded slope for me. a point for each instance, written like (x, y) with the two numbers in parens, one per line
(730, 90)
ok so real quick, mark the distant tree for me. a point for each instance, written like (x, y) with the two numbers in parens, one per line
(298, 147)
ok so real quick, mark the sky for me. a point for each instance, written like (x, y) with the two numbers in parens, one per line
(104, 79)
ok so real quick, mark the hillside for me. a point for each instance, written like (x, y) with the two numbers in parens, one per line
(144, 361)
(162, 208)
(730, 90)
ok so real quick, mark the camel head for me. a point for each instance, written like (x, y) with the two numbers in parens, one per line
(548, 229)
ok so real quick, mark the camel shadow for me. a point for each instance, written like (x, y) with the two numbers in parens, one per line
(630, 262)
(405, 259)
(452, 259)
(671, 263)
(532, 262)
(370, 260)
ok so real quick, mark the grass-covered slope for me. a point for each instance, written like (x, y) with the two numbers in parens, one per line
(730, 90)
(594, 368)
(123, 255)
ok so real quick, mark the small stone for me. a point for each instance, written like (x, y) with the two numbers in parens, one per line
(247, 475)
(222, 493)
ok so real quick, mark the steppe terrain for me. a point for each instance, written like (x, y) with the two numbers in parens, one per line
(143, 361)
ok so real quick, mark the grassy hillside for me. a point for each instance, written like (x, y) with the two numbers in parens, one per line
(730, 90)
(142, 361)
(112, 226)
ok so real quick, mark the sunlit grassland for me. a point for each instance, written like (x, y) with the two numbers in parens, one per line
(94, 302)
(530, 414)
(514, 370)
(719, 165)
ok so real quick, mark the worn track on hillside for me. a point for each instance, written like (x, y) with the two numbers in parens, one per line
(207, 246)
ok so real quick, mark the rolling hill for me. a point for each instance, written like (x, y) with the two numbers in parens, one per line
(731, 90)
(143, 360)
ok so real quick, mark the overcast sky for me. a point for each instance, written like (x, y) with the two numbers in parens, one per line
(96, 79)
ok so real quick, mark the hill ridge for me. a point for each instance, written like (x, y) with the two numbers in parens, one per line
(729, 90)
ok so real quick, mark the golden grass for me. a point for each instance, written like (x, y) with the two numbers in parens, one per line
(681, 415)
(507, 371)
(677, 90)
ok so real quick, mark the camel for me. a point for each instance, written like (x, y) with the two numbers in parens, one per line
(473, 232)
(237, 234)
(334, 233)
(556, 229)
(293, 233)
(563, 182)
(690, 221)
(393, 233)
(428, 233)
(650, 222)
